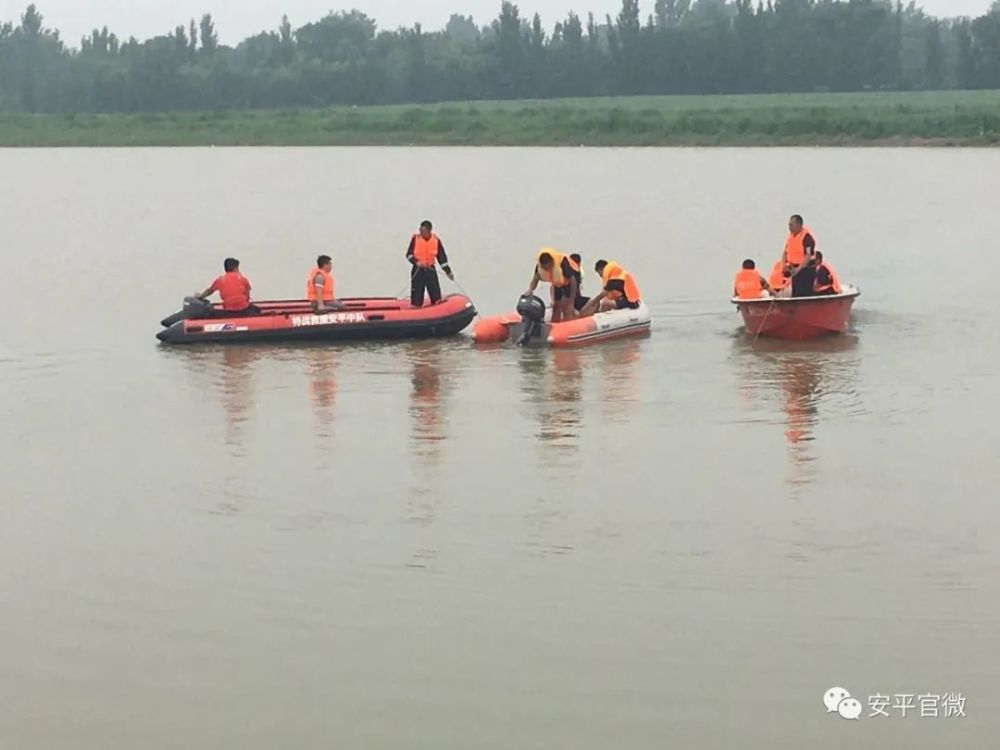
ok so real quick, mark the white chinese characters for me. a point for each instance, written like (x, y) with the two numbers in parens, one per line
(328, 319)
(904, 705)
(926, 705)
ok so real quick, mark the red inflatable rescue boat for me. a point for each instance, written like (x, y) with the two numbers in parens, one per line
(293, 320)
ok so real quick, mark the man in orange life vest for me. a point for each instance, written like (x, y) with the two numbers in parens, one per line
(234, 288)
(560, 272)
(619, 291)
(319, 286)
(425, 250)
(798, 254)
(749, 283)
(779, 280)
(826, 280)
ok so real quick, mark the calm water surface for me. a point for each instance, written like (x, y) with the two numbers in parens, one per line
(681, 541)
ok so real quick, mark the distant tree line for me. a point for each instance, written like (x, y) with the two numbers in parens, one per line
(684, 47)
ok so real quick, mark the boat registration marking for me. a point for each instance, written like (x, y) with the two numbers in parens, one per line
(223, 327)
(328, 319)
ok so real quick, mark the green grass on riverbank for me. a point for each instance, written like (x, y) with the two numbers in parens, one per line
(961, 118)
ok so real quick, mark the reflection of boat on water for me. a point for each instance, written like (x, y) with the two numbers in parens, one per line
(227, 370)
(807, 381)
(800, 381)
(231, 371)
(425, 400)
(234, 380)
(321, 366)
(555, 385)
(429, 382)
(619, 370)
(797, 318)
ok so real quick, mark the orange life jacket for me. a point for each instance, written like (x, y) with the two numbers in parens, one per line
(614, 272)
(778, 280)
(795, 250)
(554, 277)
(327, 285)
(425, 252)
(834, 281)
(747, 283)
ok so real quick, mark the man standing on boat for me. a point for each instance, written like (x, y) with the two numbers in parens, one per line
(426, 250)
(799, 253)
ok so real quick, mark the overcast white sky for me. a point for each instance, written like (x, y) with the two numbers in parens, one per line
(237, 19)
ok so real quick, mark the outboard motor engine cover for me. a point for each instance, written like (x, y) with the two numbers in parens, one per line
(531, 308)
(193, 308)
(196, 308)
(532, 312)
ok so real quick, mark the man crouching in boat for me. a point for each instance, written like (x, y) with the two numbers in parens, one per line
(620, 290)
(780, 281)
(234, 288)
(559, 271)
(749, 284)
(319, 286)
(826, 280)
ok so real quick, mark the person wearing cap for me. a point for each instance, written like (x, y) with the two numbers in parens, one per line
(426, 251)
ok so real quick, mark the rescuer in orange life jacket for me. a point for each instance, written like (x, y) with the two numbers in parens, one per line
(826, 280)
(619, 290)
(749, 283)
(319, 286)
(234, 288)
(779, 280)
(800, 247)
(560, 272)
(425, 250)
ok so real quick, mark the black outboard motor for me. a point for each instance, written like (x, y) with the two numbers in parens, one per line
(532, 312)
(193, 308)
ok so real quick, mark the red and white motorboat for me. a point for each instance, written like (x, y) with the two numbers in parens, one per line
(602, 326)
(798, 318)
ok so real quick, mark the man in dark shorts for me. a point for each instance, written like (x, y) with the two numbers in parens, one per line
(557, 270)
(580, 302)
(619, 292)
